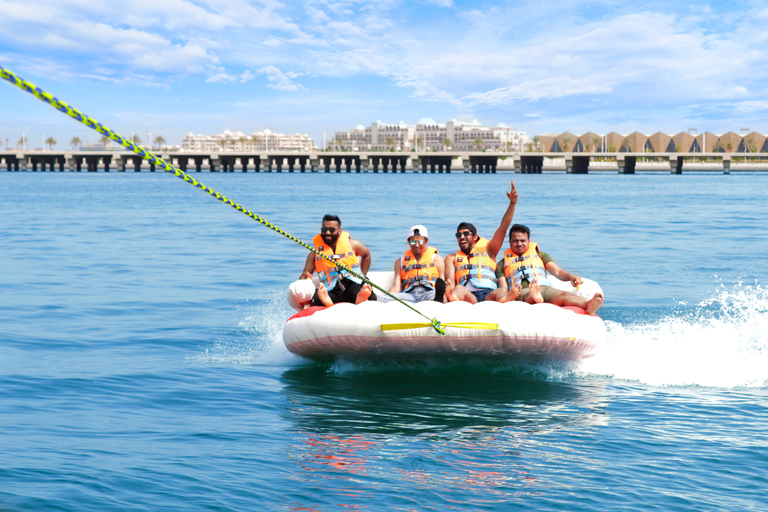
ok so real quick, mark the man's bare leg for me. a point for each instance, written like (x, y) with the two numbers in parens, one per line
(322, 294)
(364, 293)
(460, 293)
(569, 299)
(449, 295)
(594, 303)
(536, 292)
(512, 294)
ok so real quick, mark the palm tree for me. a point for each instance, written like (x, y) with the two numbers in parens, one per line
(51, 142)
(105, 140)
(390, 142)
(596, 143)
(160, 140)
(478, 143)
(447, 142)
(75, 141)
(566, 143)
(536, 142)
(729, 146)
(22, 142)
(419, 142)
(136, 140)
(339, 143)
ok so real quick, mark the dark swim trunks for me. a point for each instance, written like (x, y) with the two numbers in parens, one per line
(480, 295)
(347, 292)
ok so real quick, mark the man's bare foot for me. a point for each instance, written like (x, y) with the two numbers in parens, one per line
(511, 295)
(449, 295)
(322, 294)
(536, 292)
(364, 293)
(594, 303)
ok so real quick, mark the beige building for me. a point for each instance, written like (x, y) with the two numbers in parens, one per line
(266, 140)
(659, 142)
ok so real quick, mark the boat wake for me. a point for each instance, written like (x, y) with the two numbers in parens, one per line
(258, 340)
(720, 342)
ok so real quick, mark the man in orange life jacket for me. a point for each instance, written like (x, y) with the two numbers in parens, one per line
(335, 284)
(419, 272)
(470, 274)
(523, 272)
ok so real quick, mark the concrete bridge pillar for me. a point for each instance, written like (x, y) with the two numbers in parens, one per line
(676, 164)
(577, 164)
(726, 164)
(626, 164)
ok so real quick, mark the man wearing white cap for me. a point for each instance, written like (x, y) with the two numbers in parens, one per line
(419, 273)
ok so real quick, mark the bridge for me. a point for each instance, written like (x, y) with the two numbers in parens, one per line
(356, 162)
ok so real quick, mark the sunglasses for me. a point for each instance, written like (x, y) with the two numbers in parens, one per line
(325, 229)
(465, 234)
(416, 242)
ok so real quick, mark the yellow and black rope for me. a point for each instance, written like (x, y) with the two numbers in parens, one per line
(167, 167)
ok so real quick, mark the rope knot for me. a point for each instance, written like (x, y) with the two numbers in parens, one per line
(437, 326)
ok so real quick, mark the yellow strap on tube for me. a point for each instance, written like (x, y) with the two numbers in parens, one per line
(459, 325)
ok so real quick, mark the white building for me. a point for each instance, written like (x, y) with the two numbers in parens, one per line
(378, 137)
(428, 135)
(266, 140)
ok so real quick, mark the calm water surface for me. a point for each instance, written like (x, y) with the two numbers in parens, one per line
(142, 364)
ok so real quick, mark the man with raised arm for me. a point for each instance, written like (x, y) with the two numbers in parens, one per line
(337, 285)
(470, 274)
(524, 273)
(419, 272)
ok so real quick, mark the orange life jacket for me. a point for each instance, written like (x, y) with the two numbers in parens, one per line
(327, 272)
(414, 273)
(527, 266)
(477, 268)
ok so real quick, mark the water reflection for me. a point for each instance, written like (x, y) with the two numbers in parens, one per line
(469, 437)
(415, 401)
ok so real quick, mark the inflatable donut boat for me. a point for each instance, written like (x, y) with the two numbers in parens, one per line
(373, 330)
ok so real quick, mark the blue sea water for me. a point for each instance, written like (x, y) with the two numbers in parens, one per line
(142, 364)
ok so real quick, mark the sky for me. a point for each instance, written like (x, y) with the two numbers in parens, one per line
(170, 67)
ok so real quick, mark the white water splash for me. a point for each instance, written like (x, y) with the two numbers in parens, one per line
(259, 339)
(722, 343)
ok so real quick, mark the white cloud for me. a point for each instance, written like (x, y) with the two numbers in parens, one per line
(278, 80)
(247, 76)
(218, 74)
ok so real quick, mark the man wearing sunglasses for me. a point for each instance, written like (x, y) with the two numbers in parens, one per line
(336, 285)
(470, 274)
(419, 272)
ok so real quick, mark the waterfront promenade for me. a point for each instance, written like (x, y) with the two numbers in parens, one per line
(356, 162)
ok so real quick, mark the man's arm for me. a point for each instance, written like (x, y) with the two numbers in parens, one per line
(309, 267)
(562, 275)
(498, 238)
(500, 277)
(396, 284)
(450, 269)
(364, 254)
(440, 264)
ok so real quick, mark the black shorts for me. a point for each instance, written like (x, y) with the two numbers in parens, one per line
(345, 290)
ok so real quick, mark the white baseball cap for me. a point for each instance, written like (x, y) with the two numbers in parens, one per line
(418, 230)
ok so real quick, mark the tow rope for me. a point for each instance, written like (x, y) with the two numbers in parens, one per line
(167, 167)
